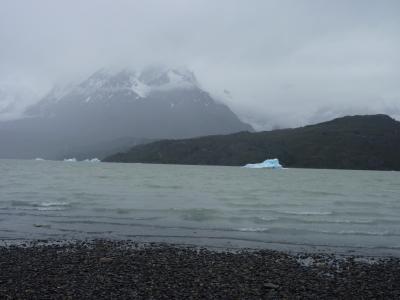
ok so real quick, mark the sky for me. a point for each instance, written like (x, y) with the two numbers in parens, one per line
(285, 63)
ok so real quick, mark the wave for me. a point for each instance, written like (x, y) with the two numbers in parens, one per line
(44, 205)
(360, 203)
(349, 221)
(323, 220)
(372, 214)
(289, 220)
(356, 232)
(35, 213)
(251, 229)
(306, 213)
(353, 232)
(321, 193)
(267, 205)
(266, 219)
(47, 204)
(50, 208)
(287, 212)
(336, 221)
(295, 231)
(158, 186)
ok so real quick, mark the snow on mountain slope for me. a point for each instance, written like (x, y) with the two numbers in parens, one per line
(155, 103)
(115, 86)
(140, 83)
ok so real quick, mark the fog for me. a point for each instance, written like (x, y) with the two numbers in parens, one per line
(285, 63)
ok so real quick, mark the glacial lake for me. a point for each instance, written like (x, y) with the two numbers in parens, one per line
(223, 207)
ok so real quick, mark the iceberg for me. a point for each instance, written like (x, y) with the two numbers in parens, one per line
(92, 160)
(266, 164)
(70, 159)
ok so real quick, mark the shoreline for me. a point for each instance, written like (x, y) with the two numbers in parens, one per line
(219, 244)
(129, 269)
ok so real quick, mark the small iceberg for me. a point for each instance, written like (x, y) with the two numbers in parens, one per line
(92, 160)
(70, 159)
(266, 164)
(39, 159)
(95, 160)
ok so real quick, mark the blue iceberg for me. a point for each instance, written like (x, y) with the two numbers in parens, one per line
(266, 164)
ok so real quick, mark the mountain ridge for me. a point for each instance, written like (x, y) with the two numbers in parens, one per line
(353, 142)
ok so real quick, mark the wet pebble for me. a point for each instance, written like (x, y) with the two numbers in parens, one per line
(124, 269)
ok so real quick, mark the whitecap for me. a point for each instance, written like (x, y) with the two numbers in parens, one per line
(51, 208)
(338, 221)
(253, 229)
(267, 219)
(48, 204)
(355, 232)
(306, 213)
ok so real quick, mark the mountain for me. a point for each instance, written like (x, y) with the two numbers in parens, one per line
(156, 103)
(352, 142)
(14, 97)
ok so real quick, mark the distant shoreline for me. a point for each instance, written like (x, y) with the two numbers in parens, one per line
(104, 269)
(369, 142)
(194, 165)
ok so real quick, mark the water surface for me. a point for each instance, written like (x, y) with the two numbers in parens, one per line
(204, 205)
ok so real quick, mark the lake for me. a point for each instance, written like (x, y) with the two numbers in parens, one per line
(213, 206)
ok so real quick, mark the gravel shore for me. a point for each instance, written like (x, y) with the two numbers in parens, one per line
(116, 269)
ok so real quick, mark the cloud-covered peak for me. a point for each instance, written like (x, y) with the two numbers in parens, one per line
(141, 83)
(116, 84)
(283, 61)
(161, 76)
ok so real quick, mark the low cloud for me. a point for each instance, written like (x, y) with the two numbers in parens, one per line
(285, 63)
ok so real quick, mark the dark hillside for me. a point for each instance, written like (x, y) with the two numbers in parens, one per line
(355, 142)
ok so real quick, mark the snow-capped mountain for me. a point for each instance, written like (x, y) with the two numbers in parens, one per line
(155, 103)
(108, 85)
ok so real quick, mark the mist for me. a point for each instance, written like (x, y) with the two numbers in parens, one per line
(284, 63)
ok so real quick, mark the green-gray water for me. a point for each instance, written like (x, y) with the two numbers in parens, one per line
(203, 205)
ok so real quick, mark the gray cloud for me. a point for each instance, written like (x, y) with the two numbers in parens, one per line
(286, 63)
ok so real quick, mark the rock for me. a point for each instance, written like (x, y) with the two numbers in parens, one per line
(106, 259)
(120, 270)
(270, 285)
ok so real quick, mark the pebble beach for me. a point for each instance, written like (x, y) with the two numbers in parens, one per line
(127, 270)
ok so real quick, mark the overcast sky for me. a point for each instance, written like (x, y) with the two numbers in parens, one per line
(286, 63)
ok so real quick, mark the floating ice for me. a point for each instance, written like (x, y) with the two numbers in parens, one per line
(269, 164)
(85, 160)
(92, 160)
(38, 158)
(70, 159)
